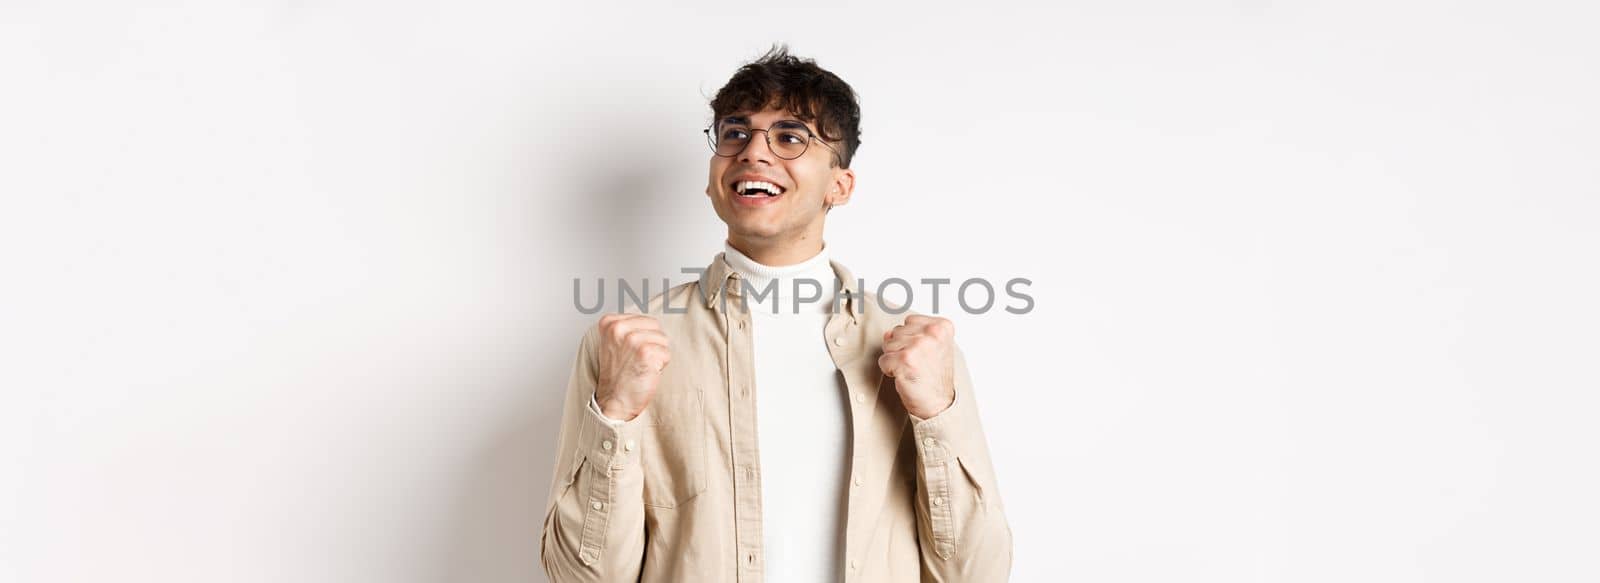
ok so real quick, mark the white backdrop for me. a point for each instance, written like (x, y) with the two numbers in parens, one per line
(287, 285)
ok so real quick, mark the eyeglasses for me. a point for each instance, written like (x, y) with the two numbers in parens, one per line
(791, 142)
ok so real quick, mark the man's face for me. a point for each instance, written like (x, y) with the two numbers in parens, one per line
(806, 185)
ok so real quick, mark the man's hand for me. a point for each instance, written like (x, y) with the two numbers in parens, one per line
(920, 355)
(633, 352)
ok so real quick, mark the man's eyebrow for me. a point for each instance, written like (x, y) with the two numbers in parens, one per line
(745, 120)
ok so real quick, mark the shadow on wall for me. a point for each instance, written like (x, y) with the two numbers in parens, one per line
(610, 225)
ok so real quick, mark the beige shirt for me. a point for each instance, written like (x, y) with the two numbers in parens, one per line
(674, 495)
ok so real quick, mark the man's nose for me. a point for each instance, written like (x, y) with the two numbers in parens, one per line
(757, 149)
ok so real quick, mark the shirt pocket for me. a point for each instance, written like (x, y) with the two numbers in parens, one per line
(673, 450)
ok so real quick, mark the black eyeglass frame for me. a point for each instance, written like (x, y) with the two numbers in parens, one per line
(711, 141)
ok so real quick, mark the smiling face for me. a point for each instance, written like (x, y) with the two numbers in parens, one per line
(784, 227)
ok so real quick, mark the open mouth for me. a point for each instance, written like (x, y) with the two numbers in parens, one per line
(756, 189)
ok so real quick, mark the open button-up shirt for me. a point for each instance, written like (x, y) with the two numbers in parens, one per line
(674, 495)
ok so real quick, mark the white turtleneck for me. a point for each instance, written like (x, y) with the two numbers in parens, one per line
(802, 419)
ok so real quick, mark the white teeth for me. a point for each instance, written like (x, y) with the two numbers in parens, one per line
(745, 185)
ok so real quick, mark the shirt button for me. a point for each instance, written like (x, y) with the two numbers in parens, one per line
(852, 565)
(605, 444)
(860, 398)
(837, 341)
(930, 442)
(596, 505)
(628, 446)
(741, 324)
(858, 481)
(938, 501)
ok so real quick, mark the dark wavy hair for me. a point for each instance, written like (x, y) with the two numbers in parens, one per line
(799, 86)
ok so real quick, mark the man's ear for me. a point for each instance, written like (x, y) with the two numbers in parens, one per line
(844, 184)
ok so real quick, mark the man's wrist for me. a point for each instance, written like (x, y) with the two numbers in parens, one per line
(612, 410)
(929, 411)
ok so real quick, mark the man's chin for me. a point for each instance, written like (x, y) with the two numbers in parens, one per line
(753, 230)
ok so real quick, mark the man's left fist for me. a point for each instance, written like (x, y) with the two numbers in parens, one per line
(920, 355)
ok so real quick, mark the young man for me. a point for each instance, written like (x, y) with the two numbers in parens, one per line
(788, 440)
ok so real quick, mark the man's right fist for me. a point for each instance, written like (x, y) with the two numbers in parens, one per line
(633, 351)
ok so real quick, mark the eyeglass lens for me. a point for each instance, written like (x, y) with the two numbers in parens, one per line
(787, 139)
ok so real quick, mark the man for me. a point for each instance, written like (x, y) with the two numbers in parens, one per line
(787, 440)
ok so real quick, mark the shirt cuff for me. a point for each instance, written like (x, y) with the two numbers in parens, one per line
(607, 443)
(950, 433)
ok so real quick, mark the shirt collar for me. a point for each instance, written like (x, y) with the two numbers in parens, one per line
(720, 278)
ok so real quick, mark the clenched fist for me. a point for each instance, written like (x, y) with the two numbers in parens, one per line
(633, 352)
(920, 355)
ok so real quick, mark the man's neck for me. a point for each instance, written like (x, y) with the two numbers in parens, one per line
(778, 253)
